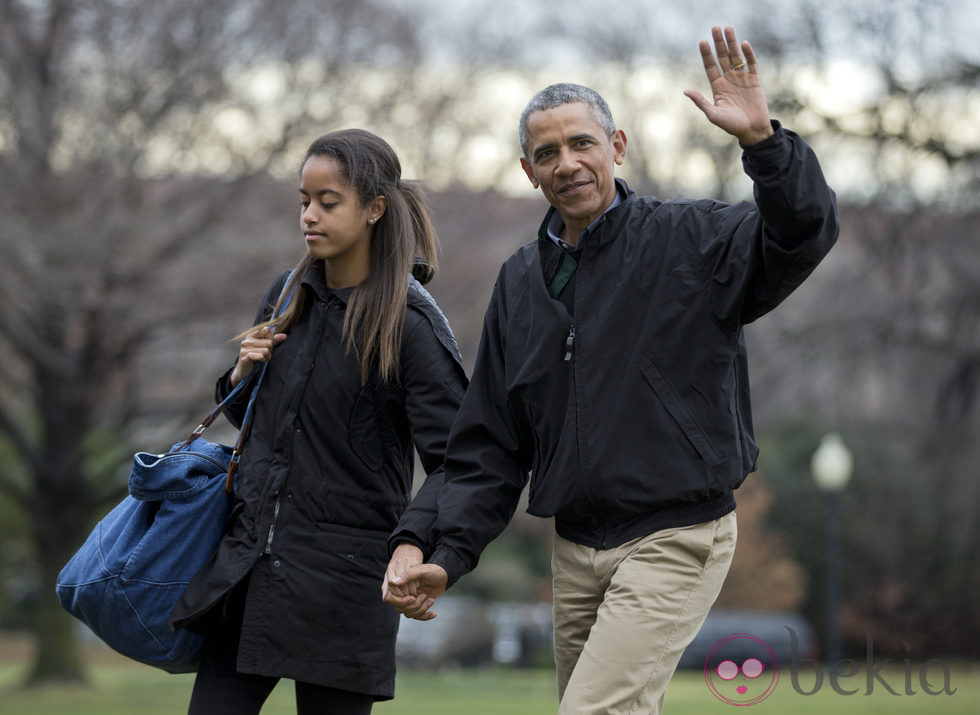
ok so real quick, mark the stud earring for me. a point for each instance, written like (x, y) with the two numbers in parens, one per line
(372, 220)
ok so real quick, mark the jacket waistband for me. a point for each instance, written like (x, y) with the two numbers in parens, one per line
(617, 532)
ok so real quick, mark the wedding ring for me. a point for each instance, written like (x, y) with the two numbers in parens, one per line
(739, 66)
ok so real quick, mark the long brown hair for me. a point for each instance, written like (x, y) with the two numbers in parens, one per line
(403, 235)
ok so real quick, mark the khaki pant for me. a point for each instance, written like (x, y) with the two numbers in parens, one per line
(624, 616)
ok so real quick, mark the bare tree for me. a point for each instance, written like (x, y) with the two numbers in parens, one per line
(887, 333)
(909, 125)
(133, 136)
(888, 328)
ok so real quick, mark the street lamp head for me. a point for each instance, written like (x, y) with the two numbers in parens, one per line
(832, 464)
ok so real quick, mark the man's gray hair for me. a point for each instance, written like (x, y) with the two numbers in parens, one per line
(566, 93)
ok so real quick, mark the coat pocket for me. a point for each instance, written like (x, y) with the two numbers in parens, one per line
(680, 412)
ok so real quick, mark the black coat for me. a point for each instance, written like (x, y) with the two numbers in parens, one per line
(638, 419)
(324, 477)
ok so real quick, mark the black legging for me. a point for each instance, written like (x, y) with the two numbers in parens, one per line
(220, 688)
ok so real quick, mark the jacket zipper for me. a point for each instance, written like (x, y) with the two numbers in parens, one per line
(569, 356)
(272, 528)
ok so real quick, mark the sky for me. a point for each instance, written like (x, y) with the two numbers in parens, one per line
(914, 38)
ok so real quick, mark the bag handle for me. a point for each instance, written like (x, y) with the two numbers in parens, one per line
(256, 376)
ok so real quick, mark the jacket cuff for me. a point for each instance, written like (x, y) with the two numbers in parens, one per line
(223, 386)
(767, 152)
(406, 537)
(454, 565)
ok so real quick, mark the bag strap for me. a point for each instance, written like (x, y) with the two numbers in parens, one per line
(236, 454)
(256, 377)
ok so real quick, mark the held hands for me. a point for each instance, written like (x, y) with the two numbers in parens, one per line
(256, 347)
(412, 586)
(739, 104)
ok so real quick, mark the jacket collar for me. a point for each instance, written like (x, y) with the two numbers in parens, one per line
(418, 296)
(316, 281)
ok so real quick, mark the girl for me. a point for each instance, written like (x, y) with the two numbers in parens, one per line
(361, 365)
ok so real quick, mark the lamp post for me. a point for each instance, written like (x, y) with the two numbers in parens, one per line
(831, 466)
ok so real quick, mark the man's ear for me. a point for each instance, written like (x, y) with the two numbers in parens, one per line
(529, 170)
(618, 140)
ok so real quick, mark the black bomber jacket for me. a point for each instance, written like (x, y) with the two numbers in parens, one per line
(635, 415)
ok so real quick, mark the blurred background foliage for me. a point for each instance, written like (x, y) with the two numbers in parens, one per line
(148, 152)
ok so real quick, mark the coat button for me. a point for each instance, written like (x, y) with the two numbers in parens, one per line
(276, 563)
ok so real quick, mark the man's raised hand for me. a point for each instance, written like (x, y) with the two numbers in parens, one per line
(738, 103)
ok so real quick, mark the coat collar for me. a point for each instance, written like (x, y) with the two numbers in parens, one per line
(315, 280)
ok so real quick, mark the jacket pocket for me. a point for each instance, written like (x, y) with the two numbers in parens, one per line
(348, 552)
(680, 412)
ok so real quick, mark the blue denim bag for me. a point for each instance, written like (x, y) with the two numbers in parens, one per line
(125, 580)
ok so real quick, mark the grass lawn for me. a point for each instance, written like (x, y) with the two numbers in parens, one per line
(120, 687)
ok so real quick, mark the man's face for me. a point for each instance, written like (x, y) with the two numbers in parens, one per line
(572, 159)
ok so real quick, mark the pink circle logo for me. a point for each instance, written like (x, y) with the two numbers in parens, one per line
(741, 670)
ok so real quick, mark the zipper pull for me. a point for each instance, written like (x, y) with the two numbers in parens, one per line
(569, 343)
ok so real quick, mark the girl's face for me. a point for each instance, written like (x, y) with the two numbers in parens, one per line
(336, 225)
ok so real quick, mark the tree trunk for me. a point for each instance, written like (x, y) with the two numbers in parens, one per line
(59, 530)
(61, 513)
